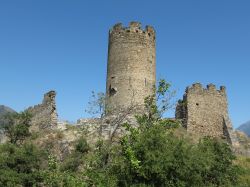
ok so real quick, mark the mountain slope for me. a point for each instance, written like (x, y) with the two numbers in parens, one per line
(4, 110)
(245, 128)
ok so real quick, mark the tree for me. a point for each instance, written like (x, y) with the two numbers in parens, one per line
(76, 159)
(96, 106)
(20, 165)
(152, 155)
(16, 126)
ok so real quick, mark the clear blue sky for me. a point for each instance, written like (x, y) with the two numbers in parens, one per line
(62, 45)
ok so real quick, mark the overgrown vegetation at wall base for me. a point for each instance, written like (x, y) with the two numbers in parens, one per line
(152, 154)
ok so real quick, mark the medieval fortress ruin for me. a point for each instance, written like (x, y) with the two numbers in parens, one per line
(204, 111)
(45, 114)
(131, 76)
(131, 72)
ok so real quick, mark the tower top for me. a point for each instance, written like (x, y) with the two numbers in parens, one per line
(134, 27)
(210, 88)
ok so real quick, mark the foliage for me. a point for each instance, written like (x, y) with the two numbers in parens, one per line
(62, 179)
(244, 164)
(148, 155)
(82, 146)
(157, 104)
(20, 165)
(54, 177)
(16, 126)
(151, 155)
(163, 96)
(76, 159)
(24, 164)
(98, 173)
(96, 105)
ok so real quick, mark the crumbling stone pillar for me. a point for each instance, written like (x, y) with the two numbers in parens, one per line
(44, 116)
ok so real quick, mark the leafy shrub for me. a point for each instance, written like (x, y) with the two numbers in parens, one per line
(152, 155)
(20, 165)
(82, 145)
(76, 159)
(16, 126)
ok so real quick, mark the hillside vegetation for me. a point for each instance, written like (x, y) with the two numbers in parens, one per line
(154, 154)
(151, 155)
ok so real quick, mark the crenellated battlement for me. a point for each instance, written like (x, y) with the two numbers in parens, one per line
(210, 88)
(204, 111)
(134, 27)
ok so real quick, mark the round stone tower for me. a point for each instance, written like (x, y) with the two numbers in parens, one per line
(131, 71)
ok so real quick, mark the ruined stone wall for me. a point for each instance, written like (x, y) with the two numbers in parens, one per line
(44, 116)
(131, 66)
(204, 112)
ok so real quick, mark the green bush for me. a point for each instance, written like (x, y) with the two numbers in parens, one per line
(151, 155)
(154, 157)
(77, 157)
(57, 176)
(20, 165)
(16, 126)
(82, 146)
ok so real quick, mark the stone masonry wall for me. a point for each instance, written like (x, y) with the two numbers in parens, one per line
(44, 116)
(131, 66)
(204, 112)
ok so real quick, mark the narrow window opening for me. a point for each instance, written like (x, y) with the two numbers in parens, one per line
(112, 91)
(149, 34)
(197, 104)
(145, 82)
